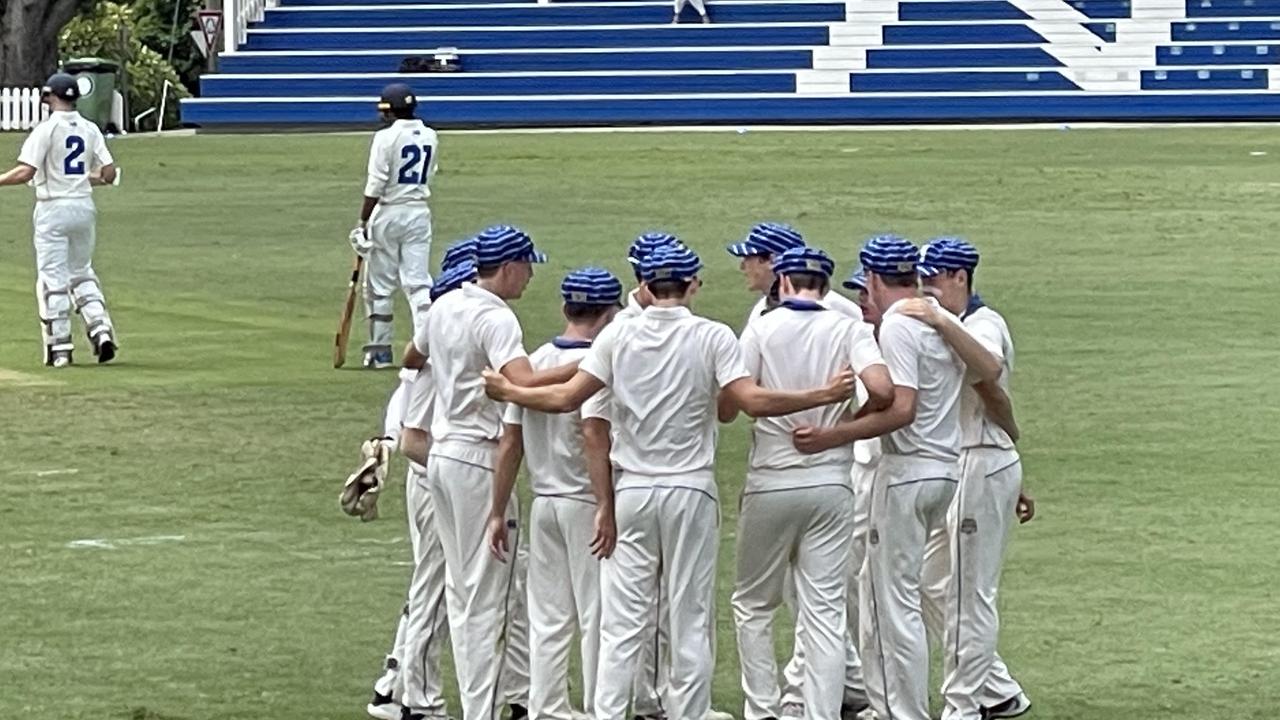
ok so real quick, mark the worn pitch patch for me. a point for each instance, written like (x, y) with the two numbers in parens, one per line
(14, 378)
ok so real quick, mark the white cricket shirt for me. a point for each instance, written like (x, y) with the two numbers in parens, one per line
(553, 448)
(465, 332)
(799, 346)
(402, 160)
(665, 369)
(632, 309)
(832, 301)
(918, 357)
(991, 330)
(420, 400)
(64, 150)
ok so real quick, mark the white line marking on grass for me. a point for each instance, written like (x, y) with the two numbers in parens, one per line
(22, 379)
(48, 473)
(110, 544)
(376, 541)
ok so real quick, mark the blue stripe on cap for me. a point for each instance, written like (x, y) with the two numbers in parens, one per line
(453, 278)
(858, 280)
(943, 254)
(591, 286)
(889, 255)
(458, 252)
(767, 238)
(671, 263)
(804, 260)
(503, 244)
(647, 243)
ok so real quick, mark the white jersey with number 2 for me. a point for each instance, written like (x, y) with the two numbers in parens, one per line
(64, 150)
(401, 163)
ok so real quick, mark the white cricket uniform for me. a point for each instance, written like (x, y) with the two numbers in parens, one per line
(797, 509)
(467, 331)
(971, 548)
(650, 687)
(401, 163)
(664, 369)
(412, 676)
(793, 673)
(832, 301)
(563, 575)
(64, 150)
(912, 490)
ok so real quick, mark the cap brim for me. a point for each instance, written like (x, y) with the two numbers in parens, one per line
(537, 257)
(743, 250)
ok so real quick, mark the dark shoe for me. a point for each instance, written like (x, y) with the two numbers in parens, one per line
(1016, 706)
(518, 711)
(105, 349)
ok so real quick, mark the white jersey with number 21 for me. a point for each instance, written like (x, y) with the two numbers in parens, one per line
(401, 163)
(64, 150)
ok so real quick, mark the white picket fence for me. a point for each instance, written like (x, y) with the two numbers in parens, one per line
(236, 16)
(20, 108)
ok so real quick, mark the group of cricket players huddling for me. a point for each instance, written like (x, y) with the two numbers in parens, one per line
(881, 485)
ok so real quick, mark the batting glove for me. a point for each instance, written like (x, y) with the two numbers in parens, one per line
(360, 242)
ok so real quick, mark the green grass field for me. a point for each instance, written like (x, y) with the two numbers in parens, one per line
(1137, 269)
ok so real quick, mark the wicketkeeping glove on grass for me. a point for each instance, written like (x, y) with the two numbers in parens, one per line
(359, 496)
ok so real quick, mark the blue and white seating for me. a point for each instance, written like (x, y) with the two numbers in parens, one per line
(576, 62)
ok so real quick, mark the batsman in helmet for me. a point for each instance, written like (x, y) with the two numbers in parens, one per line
(394, 230)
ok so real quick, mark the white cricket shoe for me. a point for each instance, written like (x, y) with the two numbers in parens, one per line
(60, 358)
(714, 714)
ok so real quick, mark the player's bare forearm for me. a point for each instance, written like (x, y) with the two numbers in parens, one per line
(879, 386)
(998, 407)
(104, 175)
(726, 408)
(596, 445)
(21, 174)
(561, 398)
(413, 358)
(761, 402)
(978, 359)
(521, 372)
(898, 415)
(415, 444)
(366, 209)
(510, 453)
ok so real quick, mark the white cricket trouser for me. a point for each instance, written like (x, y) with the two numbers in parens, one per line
(515, 664)
(969, 553)
(413, 676)
(650, 689)
(698, 5)
(565, 581)
(478, 587)
(855, 690)
(801, 533)
(65, 235)
(400, 258)
(905, 508)
(667, 544)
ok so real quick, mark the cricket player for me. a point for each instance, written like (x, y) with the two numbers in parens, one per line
(757, 251)
(977, 683)
(412, 677)
(651, 687)
(796, 511)
(699, 5)
(63, 158)
(571, 522)
(466, 332)
(665, 369)
(394, 232)
(913, 485)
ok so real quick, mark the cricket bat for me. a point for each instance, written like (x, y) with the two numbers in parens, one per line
(344, 322)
